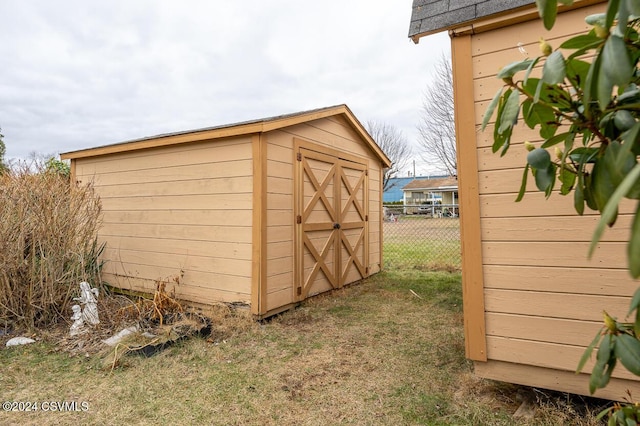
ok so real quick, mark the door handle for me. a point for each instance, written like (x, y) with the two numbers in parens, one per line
(336, 226)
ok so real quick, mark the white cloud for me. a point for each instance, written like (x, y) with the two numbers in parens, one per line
(77, 74)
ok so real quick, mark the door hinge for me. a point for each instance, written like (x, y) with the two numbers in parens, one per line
(299, 291)
(366, 270)
(299, 156)
(298, 219)
(366, 172)
(366, 218)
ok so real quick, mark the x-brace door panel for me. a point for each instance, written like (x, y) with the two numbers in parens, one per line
(331, 230)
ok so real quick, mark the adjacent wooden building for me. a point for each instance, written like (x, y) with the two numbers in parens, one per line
(266, 212)
(532, 299)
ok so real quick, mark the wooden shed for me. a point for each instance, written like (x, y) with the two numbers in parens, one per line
(265, 212)
(533, 301)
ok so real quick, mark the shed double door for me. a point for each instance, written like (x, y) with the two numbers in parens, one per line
(332, 221)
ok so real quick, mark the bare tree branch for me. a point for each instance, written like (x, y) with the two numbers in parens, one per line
(393, 143)
(437, 124)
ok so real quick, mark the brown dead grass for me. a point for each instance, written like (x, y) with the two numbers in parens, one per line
(389, 351)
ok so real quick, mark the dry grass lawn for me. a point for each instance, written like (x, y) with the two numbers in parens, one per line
(388, 351)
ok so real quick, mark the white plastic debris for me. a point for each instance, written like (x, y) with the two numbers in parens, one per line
(17, 341)
(118, 337)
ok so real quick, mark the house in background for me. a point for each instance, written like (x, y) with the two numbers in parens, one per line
(421, 191)
(532, 299)
(393, 192)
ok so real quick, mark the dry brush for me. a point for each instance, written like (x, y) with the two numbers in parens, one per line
(48, 244)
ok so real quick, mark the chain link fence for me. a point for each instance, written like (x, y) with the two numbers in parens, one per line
(425, 237)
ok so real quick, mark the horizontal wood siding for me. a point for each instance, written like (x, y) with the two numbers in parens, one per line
(549, 378)
(543, 297)
(280, 220)
(180, 212)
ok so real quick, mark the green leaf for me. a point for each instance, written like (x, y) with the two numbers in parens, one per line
(609, 172)
(537, 114)
(542, 115)
(633, 249)
(523, 184)
(635, 300)
(612, 11)
(636, 324)
(510, 70)
(595, 44)
(561, 137)
(547, 9)
(584, 155)
(539, 158)
(618, 160)
(602, 186)
(627, 350)
(578, 195)
(615, 61)
(510, 112)
(629, 96)
(590, 88)
(536, 96)
(599, 376)
(529, 69)
(581, 41)
(567, 175)
(627, 158)
(623, 19)
(577, 71)
(596, 378)
(568, 179)
(545, 179)
(603, 413)
(604, 88)
(492, 106)
(499, 139)
(623, 120)
(588, 193)
(554, 70)
(611, 209)
(596, 18)
(587, 352)
(634, 7)
(548, 129)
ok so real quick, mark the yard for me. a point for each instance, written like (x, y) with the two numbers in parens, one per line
(389, 351)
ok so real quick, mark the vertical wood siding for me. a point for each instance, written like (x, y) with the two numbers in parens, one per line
(543, 297)
(183, 211)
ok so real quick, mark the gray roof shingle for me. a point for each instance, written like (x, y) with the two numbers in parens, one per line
(431, 16)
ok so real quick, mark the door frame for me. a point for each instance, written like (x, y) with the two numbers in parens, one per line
(341, 158)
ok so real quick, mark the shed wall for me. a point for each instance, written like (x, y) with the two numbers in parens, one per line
(335, 133)
(543, 297)
(179, 211)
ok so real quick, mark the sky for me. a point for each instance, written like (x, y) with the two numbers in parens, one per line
(80, 74)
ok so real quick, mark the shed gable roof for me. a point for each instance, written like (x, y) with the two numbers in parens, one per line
(234, 129)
